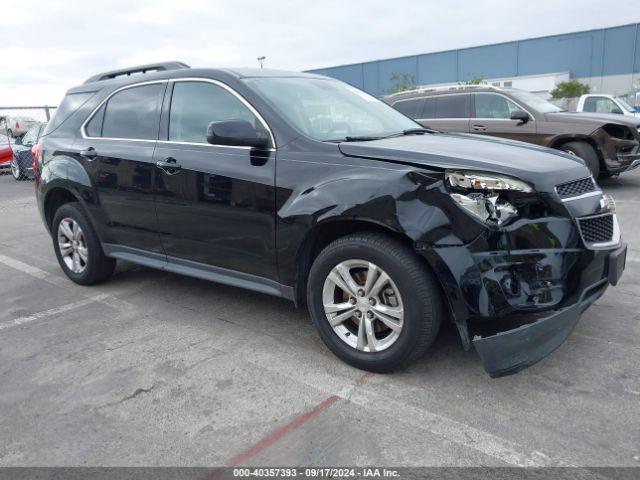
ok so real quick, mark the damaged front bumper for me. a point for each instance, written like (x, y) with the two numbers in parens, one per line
(510, 351)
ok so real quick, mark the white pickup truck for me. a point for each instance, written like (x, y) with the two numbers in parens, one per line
(600, 103)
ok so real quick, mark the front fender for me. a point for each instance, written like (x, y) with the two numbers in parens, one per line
(402, 199)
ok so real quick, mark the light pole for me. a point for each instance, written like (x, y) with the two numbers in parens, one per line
(261, 60)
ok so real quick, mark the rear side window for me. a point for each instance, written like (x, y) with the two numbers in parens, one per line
(453, 106)
(429, 108)
(411, 108)
(195, 104)
(131, 113)
(70, 103)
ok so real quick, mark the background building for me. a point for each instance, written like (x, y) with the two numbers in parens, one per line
(607, 59)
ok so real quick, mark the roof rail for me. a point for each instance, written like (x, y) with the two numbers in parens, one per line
(152, 67)
(446, 88)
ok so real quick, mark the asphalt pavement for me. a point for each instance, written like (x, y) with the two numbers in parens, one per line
(151, 368)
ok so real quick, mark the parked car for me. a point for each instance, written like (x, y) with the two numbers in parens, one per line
(22, 163)
(609, 144)
(16, 126)
(6, 154)
(599, 103)
(303, 187)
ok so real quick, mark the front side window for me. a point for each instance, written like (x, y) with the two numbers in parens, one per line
(329, 110)
(453, 106)
(196, 104)
(132, 113)
(490, 105)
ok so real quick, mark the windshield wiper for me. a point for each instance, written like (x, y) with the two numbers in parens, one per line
(362, 138)
(418, 131)
(367, 138)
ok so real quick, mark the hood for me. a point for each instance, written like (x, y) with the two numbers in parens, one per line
(542, 167)
(595, 118)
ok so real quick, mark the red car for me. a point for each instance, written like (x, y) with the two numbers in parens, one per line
(6, 154)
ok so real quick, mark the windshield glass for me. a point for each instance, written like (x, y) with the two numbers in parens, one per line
(330, 110)
(534, 101)
(625, 105)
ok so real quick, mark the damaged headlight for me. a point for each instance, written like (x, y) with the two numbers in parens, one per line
(483, 194)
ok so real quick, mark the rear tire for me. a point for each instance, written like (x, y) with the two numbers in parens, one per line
(587, 153)
(414, 311)
(78, 248)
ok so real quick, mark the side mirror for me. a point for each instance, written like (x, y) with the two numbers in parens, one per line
(616, 110)
(520, 115)
(235, 133)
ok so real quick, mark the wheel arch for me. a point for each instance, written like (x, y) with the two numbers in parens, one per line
(54, 199)
(560, 141)
(322, 234)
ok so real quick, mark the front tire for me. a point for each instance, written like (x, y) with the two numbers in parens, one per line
(375, 303)
(78, 248)
(16, 171)
(587, 153)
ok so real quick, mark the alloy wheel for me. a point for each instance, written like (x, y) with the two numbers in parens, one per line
(15, 169)
(363, 305)
(72, 245)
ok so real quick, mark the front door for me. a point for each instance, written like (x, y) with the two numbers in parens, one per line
(116, 150)
(215, 204)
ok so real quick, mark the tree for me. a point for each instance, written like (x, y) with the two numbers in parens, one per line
(402, 82)
(473, 81)
(570, 89)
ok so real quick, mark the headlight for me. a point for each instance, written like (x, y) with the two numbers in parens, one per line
(482, 194)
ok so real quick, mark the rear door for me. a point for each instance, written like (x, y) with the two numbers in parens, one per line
(449, 113)
(116, 149)
(493, 117)
(216, 208)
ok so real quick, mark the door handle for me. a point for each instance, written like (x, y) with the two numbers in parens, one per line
(479, 128)
(169, 165)
(90, 153)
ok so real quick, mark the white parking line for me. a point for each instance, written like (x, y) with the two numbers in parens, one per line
(52, 311)
(23, 267)
(451, 430)
(36, 272)
(454, 431)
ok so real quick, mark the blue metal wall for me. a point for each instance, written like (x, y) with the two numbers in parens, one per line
(594, 53)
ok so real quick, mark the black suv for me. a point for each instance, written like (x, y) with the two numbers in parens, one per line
(304, 187)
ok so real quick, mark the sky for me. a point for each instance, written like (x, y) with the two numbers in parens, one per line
(50, 46)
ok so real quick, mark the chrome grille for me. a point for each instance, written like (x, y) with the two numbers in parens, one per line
(576, 187)
(597, 229)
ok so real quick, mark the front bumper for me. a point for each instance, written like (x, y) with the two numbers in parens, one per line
(510, 351)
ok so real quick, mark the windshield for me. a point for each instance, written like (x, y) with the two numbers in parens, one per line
(534, 101)
(329, 110)
(625, 105)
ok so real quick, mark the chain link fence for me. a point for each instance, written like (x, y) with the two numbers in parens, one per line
(20, 130)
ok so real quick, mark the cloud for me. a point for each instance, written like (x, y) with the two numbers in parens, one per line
(60, 44)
